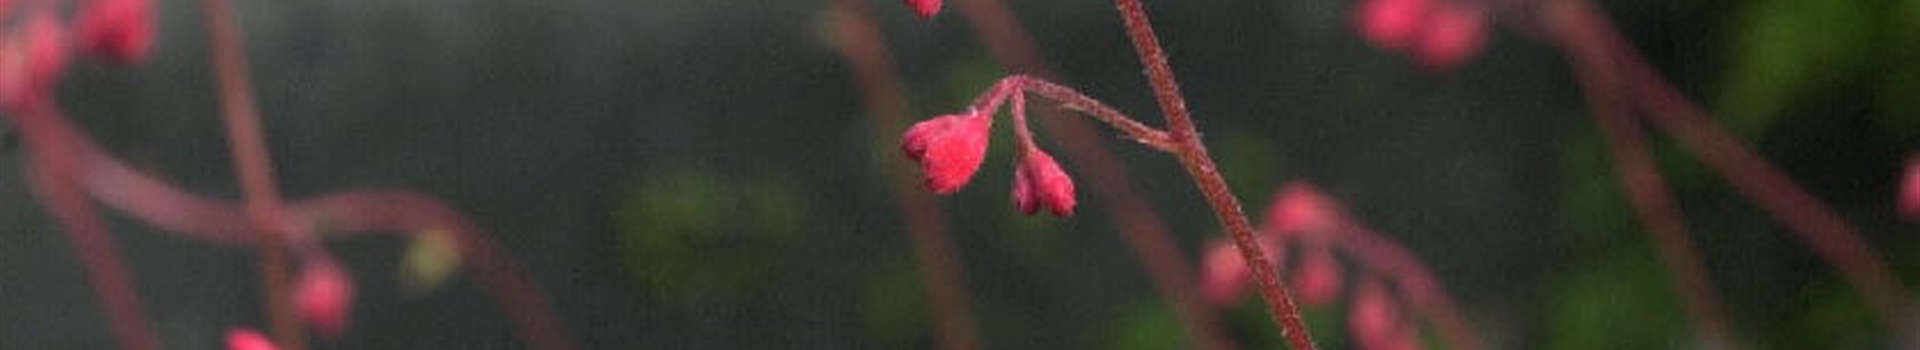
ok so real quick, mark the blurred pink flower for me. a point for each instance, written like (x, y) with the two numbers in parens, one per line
(924, 8)
(118, 30)
(1438, 34)
(1038, 183)
(324, 298)
(1299, 207)
(248, 339)
(1375, 322)
(31, 61)
(949, 148)
(1318, 276)
(1224, 272)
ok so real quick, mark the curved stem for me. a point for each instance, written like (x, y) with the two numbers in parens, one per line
(1193, 156)
(1817, 224)
(858, 40)
(55, 178)
(1138, 223)
(1639, 175)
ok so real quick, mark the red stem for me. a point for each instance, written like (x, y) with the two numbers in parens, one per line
(1823, 229)
(351, 212)
(54, 175)
(858, 40)
(248, 146)
(1639, 175)
(1193, 156)
(1136, 220)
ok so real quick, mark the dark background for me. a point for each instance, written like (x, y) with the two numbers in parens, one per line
(697, 174)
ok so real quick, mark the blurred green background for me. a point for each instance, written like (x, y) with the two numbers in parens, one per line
(697, 174)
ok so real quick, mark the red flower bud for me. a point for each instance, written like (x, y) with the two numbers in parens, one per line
(1224, 275)
(1038, 182)
(1390, 24)
(118, 30)
(1454, 33)
(31, 61)
(924, 8)
(1318, 276)
(248, 339)
(1300, 207)
(949, 148)
(323, 298)
(1376, 322)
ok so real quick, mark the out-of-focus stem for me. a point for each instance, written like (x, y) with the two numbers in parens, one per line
(1375, 252)
(249, 148)
(350, 212)
(1639, 175)
(858, 40)
(55, 179)
(1193, 156)
(1823, 229)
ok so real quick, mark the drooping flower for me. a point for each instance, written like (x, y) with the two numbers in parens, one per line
(248, 339)
(1299, 207)
(924, 8)
(31, 61)
(1376, 322)
(1318, 275)
(1038, 183)
(323, 297)
(1224, 273)
(949, 148)
(120, 31)
(1437, 34)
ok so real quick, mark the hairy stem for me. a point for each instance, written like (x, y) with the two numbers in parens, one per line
(1193, 156)
(1639, 175)
(858, 40)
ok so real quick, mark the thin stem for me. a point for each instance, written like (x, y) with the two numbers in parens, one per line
(858, 40)
(1817, 224)
(1136, 220)
(248, 145)
(1074, 100)
(1639, 175)
(1193, 156)
(55, 178)
(351, 212)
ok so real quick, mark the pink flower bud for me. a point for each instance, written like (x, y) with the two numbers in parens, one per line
(1224, 273)
(1454, 33)
(1391, 24)
(1038, 182)
(1375, 320)
(118, 30)
(924, 8)
(949, 148)
(1318, 276)
(1910, 190)
(323, 298)
(248, 339)
(32, 62)
(1300, 207)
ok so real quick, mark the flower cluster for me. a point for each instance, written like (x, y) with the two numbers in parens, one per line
(924, 8)
(951, 147)
(1303, 217)
(34, 53)
(1438, 34)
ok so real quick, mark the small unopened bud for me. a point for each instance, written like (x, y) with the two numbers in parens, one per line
(1318, 276)
(120, 31)
(323, 297)
(949, 148)
(1301, 207)
(1038, 183)
(1224, 272)
(248, 339)
(925, 8)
